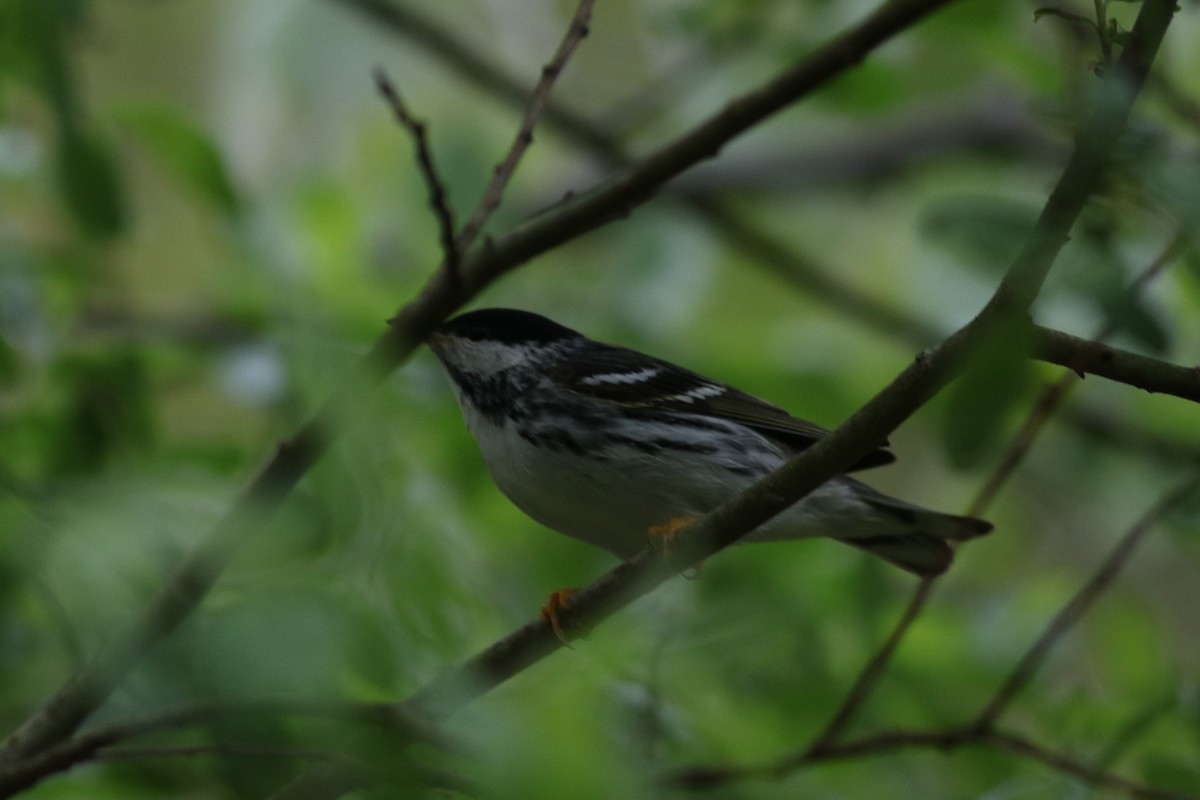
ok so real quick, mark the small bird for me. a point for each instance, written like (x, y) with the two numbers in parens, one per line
(607, 445)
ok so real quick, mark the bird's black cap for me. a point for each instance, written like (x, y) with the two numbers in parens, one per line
(506, 325)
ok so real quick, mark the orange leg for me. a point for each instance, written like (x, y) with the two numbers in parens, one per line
(549, 614)
(664, 535)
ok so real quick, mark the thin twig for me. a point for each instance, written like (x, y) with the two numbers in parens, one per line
(87, 745)
(707, 778)
(871, 673)
(241, 749)
(451, 253)
(1044, 407)
(786, 263)
(982, 730)
(1053, 396)
(1065, 764)
(492, 196)
(1075, 608)
(1085, 356)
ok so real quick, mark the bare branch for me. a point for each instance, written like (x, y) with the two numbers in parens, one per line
(24, 773)
(1081, 602)
(1087, 357)
(785, 263)
(494, 193)
(433, 182)
(1053, 396)
(865, 683)
(706, 778)
(983, 729)
(243, 749)
(1111, 110)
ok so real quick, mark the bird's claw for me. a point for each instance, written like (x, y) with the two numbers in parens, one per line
(664, 536)
(549, 613)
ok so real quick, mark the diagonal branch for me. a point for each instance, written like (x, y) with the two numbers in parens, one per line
(1053, 396)
(981, 731)
(492, 196)
(182, 592)
(708, 778)
(871, 674)
(785, 263)
(1079, 604)
(451, 253)
(1084, 356)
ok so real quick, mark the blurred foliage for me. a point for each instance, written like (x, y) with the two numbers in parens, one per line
(206, 214)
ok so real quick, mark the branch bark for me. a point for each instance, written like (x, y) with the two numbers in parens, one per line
(1084, 356)
(982, 730)
(706, 778)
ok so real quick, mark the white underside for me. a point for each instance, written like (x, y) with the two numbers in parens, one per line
(612, 505)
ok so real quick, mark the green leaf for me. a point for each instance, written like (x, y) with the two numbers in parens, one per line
(90, 183)
(979, 403)
(183, 150)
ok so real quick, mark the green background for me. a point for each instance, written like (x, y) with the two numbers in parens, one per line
(207, 212)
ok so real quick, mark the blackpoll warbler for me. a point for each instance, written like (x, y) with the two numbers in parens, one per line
(605, 444)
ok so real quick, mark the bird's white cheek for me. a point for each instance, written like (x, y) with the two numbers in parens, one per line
(487, 358)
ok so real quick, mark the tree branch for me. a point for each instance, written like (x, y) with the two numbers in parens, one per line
(982, 730)
(451, 253)
(24, 773)
(707, 778)
(870, 675)
(1054, 395)
(1078, 605)
(784, 262)
(1084, 356)
(492, 196)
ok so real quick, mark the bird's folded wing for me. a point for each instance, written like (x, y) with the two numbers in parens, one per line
(637, 381)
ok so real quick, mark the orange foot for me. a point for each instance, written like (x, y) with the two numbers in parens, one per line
(664, 535)
(549, 614)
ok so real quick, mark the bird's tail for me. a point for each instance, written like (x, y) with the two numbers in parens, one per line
(920, 541)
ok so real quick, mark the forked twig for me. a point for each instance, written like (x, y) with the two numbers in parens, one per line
(871, 673)
(433, 183)
(707, 778)
(1041, 412)
(494, 193)
(1080, 602)
(982, 730)
(1053, 396)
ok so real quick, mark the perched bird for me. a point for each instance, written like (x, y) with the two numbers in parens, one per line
(606, 444)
